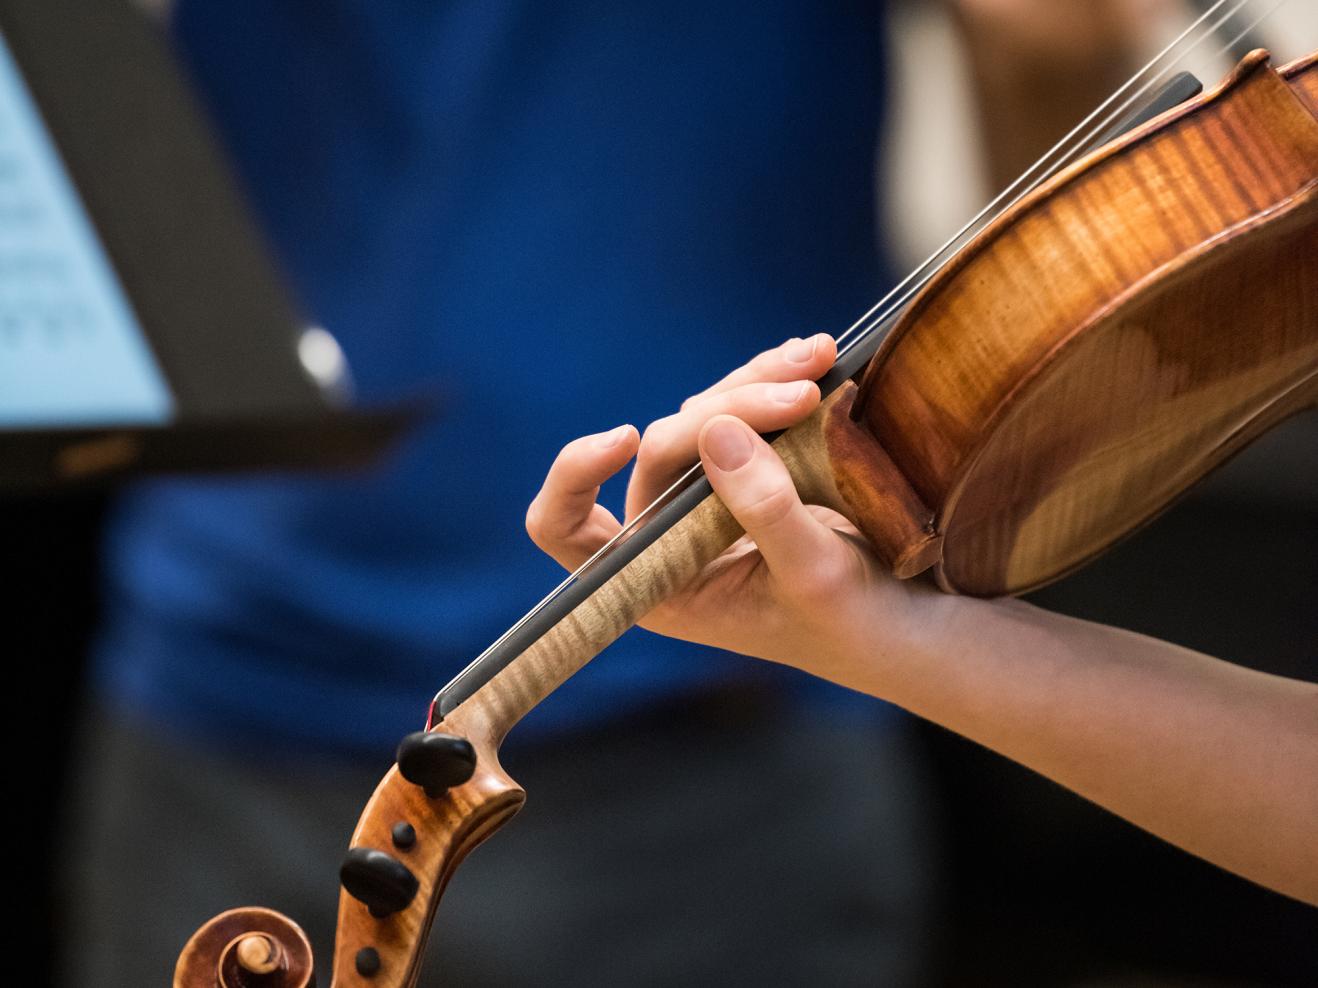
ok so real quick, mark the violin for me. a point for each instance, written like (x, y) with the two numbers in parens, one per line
(1098, 346)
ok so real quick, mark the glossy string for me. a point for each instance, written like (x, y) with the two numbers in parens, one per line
(1069, 148)
(1248, 29)
(1029, 180)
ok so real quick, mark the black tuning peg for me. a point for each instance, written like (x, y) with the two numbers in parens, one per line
(436, 761)
(379, 880)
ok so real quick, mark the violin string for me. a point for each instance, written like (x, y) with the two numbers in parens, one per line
(1226, 49)
(869, 319)
(1023, 185)
(1083, 146)
(1248, 29)
(917, 278)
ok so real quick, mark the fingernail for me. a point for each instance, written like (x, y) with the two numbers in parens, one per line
(728, 444)
(610, 439)
(789, 394)
(799, 351)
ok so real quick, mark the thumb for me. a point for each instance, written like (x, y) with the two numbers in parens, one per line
(754, 483)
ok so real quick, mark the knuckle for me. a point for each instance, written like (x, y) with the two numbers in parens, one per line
(534, 521)
(657, 439)
(768, 508)
(759, 394)
(769, 359)
(572, 452)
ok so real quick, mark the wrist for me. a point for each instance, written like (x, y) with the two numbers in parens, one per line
(931, 645)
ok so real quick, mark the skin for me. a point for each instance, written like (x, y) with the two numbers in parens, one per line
(1217, 759)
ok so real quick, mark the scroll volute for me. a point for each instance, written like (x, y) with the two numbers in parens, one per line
(246, 948)
(428, 832)
(409, 839)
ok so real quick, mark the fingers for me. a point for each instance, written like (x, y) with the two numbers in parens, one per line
(669, 445)
(754, 484)
(773, 391)
(564, 519)
(795, 360)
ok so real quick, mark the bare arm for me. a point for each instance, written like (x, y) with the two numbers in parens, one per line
(1214, 758)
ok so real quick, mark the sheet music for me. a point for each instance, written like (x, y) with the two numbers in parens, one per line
(71, 349)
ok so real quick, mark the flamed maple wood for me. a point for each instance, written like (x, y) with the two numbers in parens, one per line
(1096, 351)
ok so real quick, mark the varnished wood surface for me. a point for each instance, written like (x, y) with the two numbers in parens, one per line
(1077, 366)
(877, 496)
(1130, 414)
(448, 827)
(1302, 75)
(216, 956)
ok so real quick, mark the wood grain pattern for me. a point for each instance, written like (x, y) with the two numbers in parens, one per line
(878, 498)
(1078, 364)
(448, 828)
(451, 826)
(214, 956)
(1302, 75)
(1127, 416)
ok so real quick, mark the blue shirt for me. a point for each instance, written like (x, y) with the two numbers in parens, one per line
(559, 217)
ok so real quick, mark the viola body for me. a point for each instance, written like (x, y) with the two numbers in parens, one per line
(1099, 349)
(1093, 353)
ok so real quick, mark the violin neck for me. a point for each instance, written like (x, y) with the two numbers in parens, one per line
(664, 567)
(667, 565)
(832, 462)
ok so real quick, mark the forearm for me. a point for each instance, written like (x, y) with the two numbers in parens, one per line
(1215, 758)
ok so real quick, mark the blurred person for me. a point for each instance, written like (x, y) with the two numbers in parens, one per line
(555, 217)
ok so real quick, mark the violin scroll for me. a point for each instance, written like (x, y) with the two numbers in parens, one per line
(446, 796)
(247, 948)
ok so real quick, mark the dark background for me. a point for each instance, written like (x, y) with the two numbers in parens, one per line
(1041, 887)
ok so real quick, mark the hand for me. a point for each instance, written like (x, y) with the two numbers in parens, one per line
(1218, 759)
(802, 587)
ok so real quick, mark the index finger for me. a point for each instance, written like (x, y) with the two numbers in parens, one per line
(795, 360)
(564, 519)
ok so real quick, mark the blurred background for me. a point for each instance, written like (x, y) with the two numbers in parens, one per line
(1024, 883)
